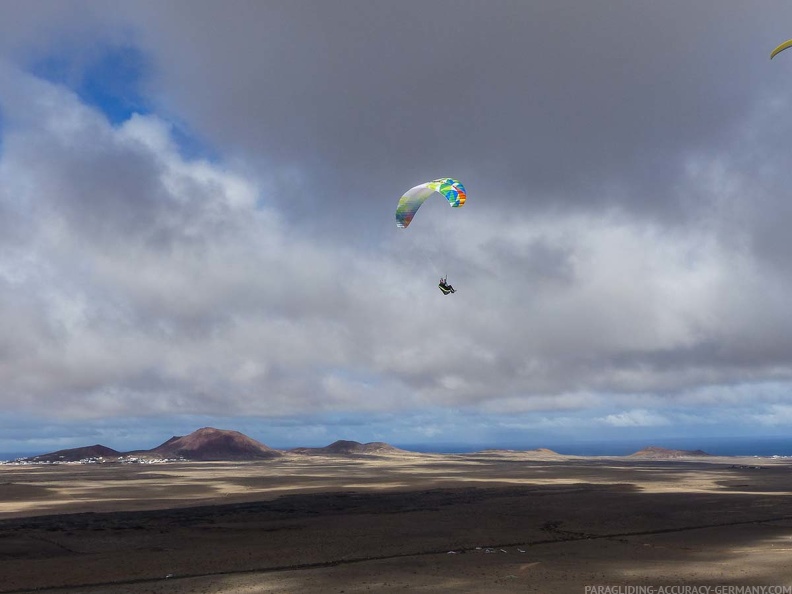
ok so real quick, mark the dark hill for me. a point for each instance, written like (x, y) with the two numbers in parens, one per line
(346, 448)
(658, 453)
(76, 454)
(213, 444)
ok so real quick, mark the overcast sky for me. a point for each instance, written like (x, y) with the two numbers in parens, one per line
(197, 221)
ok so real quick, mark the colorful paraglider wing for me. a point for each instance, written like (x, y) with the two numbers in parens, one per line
(411, 202)
(781, 48)
(451, 189)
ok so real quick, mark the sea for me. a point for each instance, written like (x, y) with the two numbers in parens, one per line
(717, 446)
(4, 456)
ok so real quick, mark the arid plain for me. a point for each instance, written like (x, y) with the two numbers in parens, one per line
(404, 522)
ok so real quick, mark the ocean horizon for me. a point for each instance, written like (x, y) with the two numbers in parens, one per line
(718, 446)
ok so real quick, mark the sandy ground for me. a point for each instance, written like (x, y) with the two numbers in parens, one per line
(510, 522)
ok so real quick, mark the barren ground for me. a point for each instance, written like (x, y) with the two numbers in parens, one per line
(496, 522)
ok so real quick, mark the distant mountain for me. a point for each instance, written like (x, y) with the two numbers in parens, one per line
(545, 451)
(344, 448)
(213, 444)
(658, 453)
(210, 444)
(76, 454)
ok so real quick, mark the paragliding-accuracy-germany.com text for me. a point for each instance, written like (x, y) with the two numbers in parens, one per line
(725, 589)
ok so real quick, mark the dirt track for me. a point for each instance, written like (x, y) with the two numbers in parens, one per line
(359, 525)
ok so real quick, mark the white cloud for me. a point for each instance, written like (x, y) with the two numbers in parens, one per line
(147, 281)
(774, 415)
(635, 418)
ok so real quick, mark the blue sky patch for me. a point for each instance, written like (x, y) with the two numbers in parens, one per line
(112, 80)
(109, 80)
(191, 146)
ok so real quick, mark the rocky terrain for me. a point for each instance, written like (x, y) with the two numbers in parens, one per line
(344, 447)
(463, 524)
(658, 453)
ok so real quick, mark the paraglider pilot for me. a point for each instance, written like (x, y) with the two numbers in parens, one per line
(445, 287)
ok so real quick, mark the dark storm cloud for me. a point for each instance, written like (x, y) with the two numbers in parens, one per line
(562, 104)
(534, 104)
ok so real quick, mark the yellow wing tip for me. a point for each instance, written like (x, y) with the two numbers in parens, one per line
(781, 48)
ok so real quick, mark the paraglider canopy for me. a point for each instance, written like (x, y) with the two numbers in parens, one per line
(781, 48)
(451, 189)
